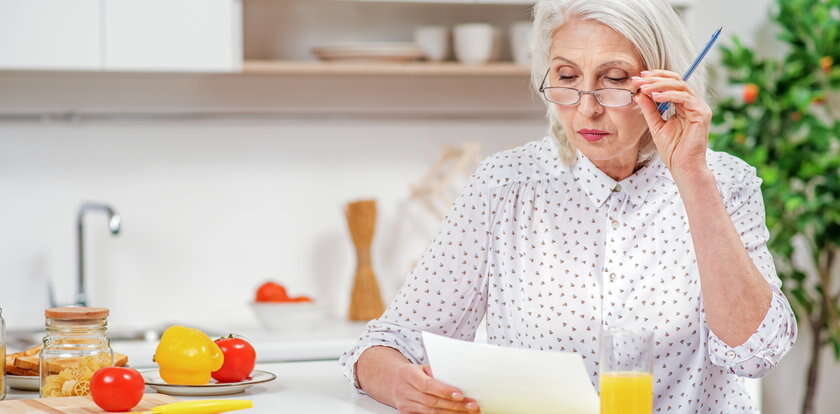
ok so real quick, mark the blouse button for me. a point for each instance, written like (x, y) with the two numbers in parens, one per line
(615, 224)
(730, 354)
(617, 188)
(612, 277)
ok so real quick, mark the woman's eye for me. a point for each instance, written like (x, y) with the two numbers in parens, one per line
(567, 77)
(617, 80)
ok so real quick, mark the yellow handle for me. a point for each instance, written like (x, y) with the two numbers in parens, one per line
(203, 407)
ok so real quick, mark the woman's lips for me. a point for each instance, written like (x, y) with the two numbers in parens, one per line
(592, 135)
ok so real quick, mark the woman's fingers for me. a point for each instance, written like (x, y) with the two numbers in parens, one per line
(432, 401)
(662, 73)
(692, 108)
(435, 394)
(417, 408)
(649, 111)
(424, 382)
(662, 85)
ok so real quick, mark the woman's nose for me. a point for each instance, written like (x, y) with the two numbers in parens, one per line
(589, 106)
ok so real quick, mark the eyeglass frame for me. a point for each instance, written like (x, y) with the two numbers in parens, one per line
(580, 93)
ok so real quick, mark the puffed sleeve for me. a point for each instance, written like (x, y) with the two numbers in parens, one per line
(777, 332)
(446, 292)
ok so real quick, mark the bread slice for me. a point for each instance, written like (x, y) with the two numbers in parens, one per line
(27, 362)
(13, 370)
(35, 350)
(120, 360)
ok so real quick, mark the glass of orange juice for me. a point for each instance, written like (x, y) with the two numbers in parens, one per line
(626, 371)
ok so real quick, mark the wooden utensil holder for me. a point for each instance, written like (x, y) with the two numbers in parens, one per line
(365, 299)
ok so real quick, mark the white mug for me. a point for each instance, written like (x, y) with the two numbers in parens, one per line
(520, 33)
(434, 40)
(475, 43)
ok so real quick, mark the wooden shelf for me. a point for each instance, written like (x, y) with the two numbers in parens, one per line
(316, 68)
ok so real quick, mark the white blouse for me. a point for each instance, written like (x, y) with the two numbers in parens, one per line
(551, 254)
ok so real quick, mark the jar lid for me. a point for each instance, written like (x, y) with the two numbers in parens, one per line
(75, 313)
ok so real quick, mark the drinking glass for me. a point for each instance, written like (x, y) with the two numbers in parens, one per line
(626, 371)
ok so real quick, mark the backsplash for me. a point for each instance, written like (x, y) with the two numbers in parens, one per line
(212, 208)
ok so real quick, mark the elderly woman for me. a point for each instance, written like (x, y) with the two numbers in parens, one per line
(620, 218)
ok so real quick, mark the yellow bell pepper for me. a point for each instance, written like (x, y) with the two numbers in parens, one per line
(187, 356)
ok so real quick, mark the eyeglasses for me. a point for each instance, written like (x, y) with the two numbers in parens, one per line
(610, 97)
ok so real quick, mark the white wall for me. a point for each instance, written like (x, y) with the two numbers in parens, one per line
(210, 209)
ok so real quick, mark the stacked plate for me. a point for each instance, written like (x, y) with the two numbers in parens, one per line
(370, 51)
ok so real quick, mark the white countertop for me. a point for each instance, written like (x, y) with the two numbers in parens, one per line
(325, 340)
(306, 387)
(319, 340)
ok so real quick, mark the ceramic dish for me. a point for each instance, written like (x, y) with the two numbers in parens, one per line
(288, 316)
(153, 379)
(24, 382)
(370, 51)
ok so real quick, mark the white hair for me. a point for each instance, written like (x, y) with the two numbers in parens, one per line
(652, 26)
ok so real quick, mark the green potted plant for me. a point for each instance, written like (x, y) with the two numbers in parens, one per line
(786, 124)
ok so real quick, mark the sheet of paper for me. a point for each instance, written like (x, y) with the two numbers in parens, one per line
(511, 380)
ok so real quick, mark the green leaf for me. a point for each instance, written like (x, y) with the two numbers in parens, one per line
(793, 142)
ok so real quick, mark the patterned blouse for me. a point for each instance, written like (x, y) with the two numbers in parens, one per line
(551, 254)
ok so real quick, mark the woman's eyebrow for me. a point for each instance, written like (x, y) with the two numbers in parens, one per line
(623, 63)
(616, 62)
(562, 59)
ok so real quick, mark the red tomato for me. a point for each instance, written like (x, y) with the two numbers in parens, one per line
(117, 389)
(272, 292)
(240, 357)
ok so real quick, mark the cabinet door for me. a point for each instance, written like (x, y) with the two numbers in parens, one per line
(50, 34)
(173, 35)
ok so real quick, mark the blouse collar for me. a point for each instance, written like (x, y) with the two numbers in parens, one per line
(598, 186)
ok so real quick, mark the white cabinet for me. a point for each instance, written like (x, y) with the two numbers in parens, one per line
(173, 35)
(50, 34)
(121, 35)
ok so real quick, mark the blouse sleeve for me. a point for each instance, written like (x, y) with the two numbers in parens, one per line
(446, 292)
(777, 332)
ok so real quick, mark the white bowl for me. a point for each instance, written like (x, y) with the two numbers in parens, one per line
(286, 316)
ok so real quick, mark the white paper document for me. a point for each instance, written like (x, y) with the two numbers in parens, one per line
(511, 380)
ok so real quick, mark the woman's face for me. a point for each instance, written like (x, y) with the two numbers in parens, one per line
(588, 55)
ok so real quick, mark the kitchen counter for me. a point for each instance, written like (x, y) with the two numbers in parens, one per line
(306, 387)
(320, 341)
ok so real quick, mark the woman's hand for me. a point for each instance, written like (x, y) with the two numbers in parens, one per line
(417, 392)
(683, 138)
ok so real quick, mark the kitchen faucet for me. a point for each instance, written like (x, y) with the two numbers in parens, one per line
(114, 223)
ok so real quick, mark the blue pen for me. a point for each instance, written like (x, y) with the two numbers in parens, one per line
(665, 105)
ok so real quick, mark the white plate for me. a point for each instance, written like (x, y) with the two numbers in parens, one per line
(24, 382)
(371, 51)
(153, 379)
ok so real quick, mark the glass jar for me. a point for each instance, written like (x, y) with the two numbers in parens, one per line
(76, 345)
(2, 356)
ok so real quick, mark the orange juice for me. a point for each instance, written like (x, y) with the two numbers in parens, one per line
(626, 393)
